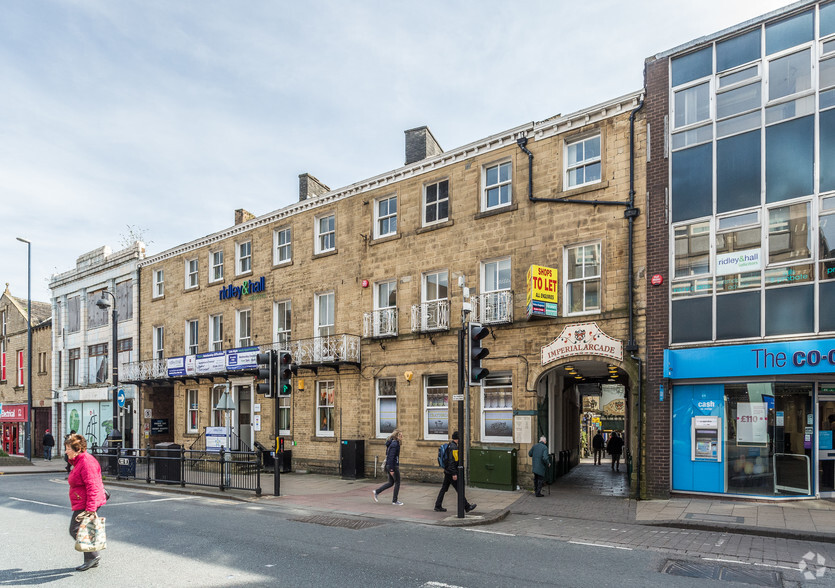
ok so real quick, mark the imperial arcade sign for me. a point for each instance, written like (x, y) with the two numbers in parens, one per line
(582, 339)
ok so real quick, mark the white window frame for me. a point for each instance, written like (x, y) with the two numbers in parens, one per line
(285, 408)
(324, 326)
(192, 410)
(438, 200)
(282, 323)
(159, 284)
(20, 368)
(282, 251)
(585, 279)
(192, 336)
(497, 262)
(499, 184)
(243, 327)
(321, 244)
(585, 162)
(243, 258)
(381, 219)
(192, 278)
(427, 301)
(428, 410)
(380, 397)
(217, 415)
(216, 266)
(158, 342)
(325, 386)
(215, 338)
(485, 410)
(73, 366)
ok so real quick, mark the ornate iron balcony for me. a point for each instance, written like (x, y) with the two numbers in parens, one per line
(380, 323)
(429, 317)
(493, 308)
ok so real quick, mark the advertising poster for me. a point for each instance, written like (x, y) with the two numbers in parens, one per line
(243, 358)
(210, 363)
(752, 423)
(215, 438)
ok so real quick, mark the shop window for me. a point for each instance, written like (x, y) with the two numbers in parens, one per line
(738, 315)
(738, 50)
(192, 412)
(692, 183)
(790, 310)
(97, 363)
(789, 159)
(692, 66)
(325, 408)
(789, 32)
(738, 172)
(497, 409)
(436, 407)
(386, 407)
(692, 320)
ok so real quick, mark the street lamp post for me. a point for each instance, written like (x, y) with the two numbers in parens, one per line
(28, 427)
(103, 304)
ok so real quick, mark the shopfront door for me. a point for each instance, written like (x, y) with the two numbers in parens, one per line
(826, 449)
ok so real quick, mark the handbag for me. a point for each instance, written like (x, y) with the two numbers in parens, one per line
(91, 535)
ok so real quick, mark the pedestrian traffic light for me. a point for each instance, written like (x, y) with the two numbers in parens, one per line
(477, 353)
(267, 371)
(285, 372)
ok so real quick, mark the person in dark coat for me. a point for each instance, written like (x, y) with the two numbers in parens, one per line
(615, 448)
(48, 444)
(392, 467)
(539, 465)
(86, 491)
(597, 445)
(451, 477)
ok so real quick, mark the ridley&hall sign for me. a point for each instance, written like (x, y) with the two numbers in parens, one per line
(582, 339)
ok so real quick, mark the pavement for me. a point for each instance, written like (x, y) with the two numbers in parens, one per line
(587, 492)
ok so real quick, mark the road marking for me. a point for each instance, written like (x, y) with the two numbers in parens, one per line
(733, 561)
(601, 545)
(152, 500)
(749, 563)
(490, 532)
(36, 502)
(439, 585)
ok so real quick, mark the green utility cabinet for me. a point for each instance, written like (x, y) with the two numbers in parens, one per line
(493, 467)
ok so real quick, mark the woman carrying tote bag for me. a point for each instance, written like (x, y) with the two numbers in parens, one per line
(86, 491)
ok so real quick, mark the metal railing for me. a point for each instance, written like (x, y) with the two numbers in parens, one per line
(493, 308)
(380, 323)
(432, 316)
(226, 470)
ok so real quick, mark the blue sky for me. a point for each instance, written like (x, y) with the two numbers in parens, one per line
(167, 116)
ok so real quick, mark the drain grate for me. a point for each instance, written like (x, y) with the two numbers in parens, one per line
(714, 518)
(343, 523)
(713, 571)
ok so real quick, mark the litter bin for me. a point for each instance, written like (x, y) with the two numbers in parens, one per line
(127, 464)
(551, 469)
(493, 467)
(167, 462)
(353, 458)
(285, 461)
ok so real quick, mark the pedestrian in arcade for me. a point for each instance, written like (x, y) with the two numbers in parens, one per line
(539, 465)
(48, 444)
(597, 445)
(615, 448)
(451, 477)
(86, 491)
(392, 467)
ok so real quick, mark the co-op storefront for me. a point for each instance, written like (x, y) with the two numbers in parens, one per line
(753, 420)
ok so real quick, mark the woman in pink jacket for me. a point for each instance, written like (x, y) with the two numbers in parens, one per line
(86, 490)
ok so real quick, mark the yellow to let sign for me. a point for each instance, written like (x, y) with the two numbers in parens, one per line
(542, 284)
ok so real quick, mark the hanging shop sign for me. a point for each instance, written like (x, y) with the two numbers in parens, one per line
(245, 289)
(582, 339)
(542, 295)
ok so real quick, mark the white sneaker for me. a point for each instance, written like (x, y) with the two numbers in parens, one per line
(374, 492)
(397, 503)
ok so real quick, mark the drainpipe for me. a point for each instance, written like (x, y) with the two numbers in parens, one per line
(637, 360)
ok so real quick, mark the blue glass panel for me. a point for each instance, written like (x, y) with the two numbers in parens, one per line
(692, 182)
(738, 166)
(790, 32)
(827, 150)
(692, 320)
(826, 308)
(789, 159)
(827, 16)
(692, 66)
(790, 310)
(738, 50)
(738, 315)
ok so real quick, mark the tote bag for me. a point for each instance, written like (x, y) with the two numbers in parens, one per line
(91, 535)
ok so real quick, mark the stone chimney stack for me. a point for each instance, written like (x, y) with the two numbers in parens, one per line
(241, 216)
(310, 187)
(420, 144)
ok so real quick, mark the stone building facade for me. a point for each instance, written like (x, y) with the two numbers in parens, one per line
(14, 396)
(531, 231)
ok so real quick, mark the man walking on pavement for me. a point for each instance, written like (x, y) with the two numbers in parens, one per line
(597, 445)
(615, 448)
(451, 476)
(48, 444)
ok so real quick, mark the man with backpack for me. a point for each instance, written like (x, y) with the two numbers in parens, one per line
(450, 465)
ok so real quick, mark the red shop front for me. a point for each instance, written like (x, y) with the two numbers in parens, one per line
(13, 428)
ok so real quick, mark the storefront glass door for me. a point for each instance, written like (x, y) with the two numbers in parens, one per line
(826, 449)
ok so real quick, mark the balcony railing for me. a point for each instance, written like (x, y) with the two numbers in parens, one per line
(380, 323)
(150, 369)
(493, 308)
(432, 316)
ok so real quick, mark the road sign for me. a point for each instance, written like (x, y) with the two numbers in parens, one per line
(121, 398)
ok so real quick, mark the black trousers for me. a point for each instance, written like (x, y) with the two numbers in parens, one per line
(448, 481)
(393, 481)
(538, 483)
(74, 525)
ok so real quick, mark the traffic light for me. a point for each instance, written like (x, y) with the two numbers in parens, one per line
(477, 353)
(285, 372)
(267, 371)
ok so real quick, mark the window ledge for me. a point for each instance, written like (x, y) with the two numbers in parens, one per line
(191, 288)
(325, 254)
(495, 211)
(244, 274)
(153, 299)
(582, 190)
(220, 281)
(435, 226)
(386, 239)
(283, 264)
(316, 438)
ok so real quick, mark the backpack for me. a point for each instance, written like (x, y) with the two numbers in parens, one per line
(442, 451)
